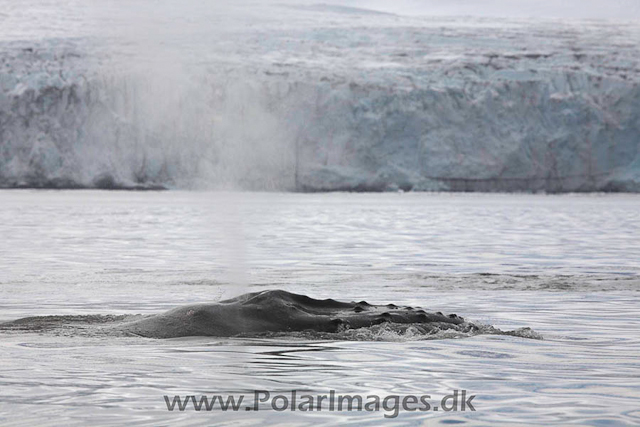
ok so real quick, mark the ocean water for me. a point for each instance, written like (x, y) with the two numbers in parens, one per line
(566, 266)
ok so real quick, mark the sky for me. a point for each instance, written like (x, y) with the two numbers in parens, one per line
(606, 9)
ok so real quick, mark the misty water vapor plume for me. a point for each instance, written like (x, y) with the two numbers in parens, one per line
(183, 118)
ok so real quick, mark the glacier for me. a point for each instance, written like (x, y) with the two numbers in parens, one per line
(302, 96)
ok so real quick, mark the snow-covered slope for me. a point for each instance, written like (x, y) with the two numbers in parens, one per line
(305, 96)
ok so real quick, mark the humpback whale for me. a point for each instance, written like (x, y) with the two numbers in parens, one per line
(280, 311)
(267, 313)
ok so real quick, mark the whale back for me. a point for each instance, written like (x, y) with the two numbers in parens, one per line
(278, 311)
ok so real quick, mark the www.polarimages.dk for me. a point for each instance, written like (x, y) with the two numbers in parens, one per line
(295, 400)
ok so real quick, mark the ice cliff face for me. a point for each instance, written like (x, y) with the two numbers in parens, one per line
(317, 97)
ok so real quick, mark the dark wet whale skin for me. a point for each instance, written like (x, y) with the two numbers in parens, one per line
(277, 311)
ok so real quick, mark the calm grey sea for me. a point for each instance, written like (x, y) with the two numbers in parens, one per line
(566, 266)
